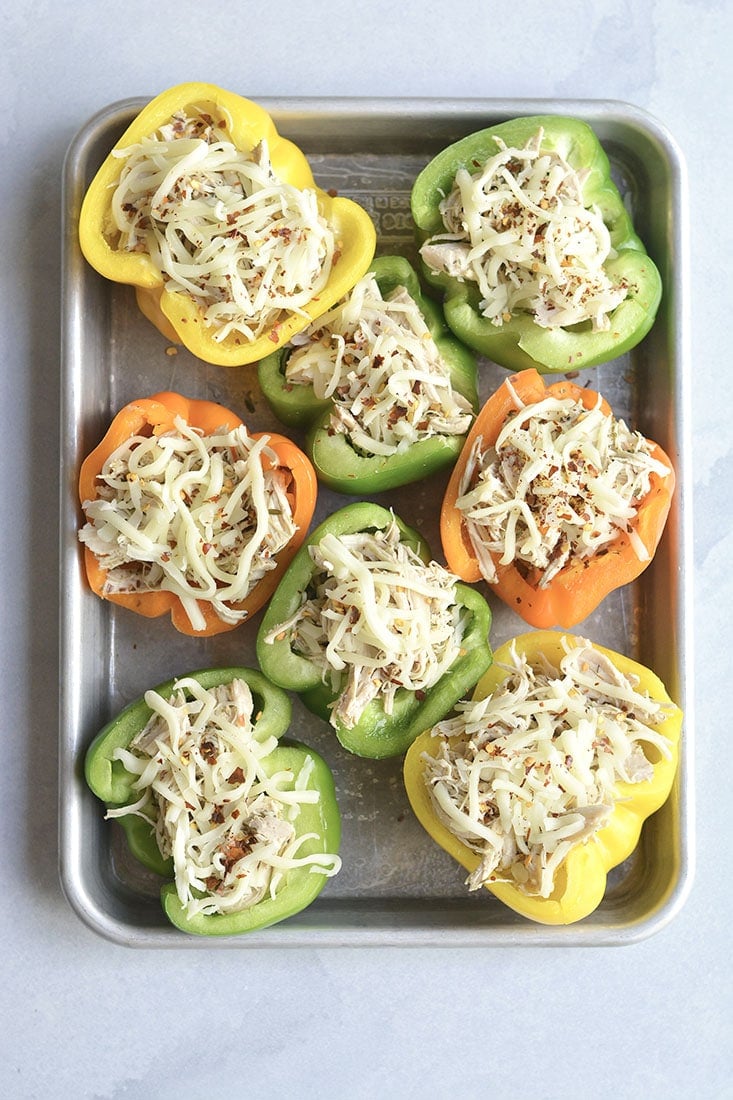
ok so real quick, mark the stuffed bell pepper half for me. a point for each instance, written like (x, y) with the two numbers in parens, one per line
(376, 638)
(186, 512)
(243, 824)
(540, 783)
(524, 230)
(386, 392)
(554, 502)
(217, 222)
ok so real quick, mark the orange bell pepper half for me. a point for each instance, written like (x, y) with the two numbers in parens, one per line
(155, 416)
(577, 589)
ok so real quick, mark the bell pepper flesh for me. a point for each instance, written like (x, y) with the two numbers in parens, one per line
(578, 588)
(580, 881)
(337, 463)
(521, 343)
(175, 314)
(113, 784)
(159, 414)
(376, 734)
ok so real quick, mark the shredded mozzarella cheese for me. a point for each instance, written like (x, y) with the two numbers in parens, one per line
(221, 227)
(380, 620)
(560, 483)
(376, 359)
(204, 787)
(200, 516)
(519, 228)
(529, 772)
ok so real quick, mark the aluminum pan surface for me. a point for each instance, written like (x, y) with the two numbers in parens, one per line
(396, 886)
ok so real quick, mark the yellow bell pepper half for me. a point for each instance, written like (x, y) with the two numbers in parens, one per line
(176, 314)
(580, 881)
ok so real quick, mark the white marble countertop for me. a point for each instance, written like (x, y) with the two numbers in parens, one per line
(83, 1017)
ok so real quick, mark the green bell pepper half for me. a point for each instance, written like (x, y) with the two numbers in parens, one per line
(376, 734)
(113, 784)
(337, 463)
(521, 343)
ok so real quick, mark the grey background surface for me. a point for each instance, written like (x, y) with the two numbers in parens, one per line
(86, 1018)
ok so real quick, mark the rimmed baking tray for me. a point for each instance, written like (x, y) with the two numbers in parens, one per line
(396, 886)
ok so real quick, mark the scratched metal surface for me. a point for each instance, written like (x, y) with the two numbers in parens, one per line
(396, 886)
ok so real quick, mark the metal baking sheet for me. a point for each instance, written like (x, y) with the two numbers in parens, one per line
(396, 887)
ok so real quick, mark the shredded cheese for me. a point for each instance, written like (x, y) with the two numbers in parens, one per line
(560, 483)
(379, 620)
(377, 360)
(203, 784)
(200, 516)
(526, 774)
(221, 226)
(519, 228)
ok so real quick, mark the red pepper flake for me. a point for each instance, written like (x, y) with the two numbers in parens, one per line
(209, 753)
(236, 849)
